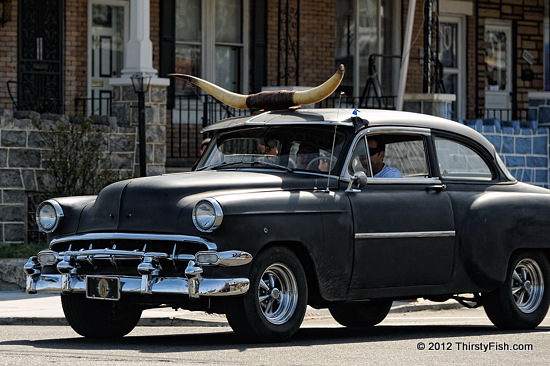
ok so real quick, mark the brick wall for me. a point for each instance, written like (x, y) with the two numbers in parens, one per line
(527, 18)
(76, 51)
(317, 44)
(8, 56)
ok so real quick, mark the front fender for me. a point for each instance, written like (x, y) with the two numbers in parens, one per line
(317, 221)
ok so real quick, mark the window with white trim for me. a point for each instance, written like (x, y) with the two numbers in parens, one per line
(210, 39)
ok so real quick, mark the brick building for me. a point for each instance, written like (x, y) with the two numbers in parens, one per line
(483, 62)
(62, 55)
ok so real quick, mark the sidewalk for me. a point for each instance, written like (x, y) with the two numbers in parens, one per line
(18, 308)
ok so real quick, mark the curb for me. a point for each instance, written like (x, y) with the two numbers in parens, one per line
(201, 321)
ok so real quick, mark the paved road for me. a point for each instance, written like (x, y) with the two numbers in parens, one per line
(450, 337)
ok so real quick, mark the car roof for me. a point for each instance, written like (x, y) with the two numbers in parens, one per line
(344, 117)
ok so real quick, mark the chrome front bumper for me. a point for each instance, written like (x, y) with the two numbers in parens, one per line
(66, 283)
(149, 282)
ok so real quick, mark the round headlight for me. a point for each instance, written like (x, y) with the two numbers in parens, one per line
(48, 216)
(207, 215)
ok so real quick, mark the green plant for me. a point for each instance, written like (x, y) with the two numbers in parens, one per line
(21, 250)
(77, 157)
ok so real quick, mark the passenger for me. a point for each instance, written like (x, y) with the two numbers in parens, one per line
(268, 147)
(306, 153)
(377, 150)
(204, 145)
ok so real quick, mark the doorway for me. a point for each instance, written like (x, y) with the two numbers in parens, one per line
(498, 70)
(40, 56)
(108, 23)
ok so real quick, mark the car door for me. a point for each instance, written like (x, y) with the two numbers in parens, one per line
(403, 227)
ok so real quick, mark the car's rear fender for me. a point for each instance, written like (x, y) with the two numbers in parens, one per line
(498, 224)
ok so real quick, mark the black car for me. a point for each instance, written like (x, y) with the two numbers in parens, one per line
(290, 208)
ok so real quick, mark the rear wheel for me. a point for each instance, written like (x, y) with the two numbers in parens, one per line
(363, 314)
(522, 301)
(99, 318)
(274, 307)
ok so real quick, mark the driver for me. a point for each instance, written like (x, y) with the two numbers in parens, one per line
(306, 153)
(377, 151)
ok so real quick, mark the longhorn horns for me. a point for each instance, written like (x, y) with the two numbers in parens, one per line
(269, 100)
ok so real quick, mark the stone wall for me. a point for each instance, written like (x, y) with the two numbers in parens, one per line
(523, 146)
(12, 276)
(22, 165)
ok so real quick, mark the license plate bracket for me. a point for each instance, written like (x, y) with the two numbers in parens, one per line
(103, 288)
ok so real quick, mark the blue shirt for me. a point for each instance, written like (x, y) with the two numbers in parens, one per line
(388, 172)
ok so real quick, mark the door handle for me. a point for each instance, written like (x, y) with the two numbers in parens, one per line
(436, 187)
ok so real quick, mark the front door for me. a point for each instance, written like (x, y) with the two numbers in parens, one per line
(498, 71)
(40, 56)
(108, 23)
(404, 226)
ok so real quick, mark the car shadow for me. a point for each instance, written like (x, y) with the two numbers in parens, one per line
(224, 338)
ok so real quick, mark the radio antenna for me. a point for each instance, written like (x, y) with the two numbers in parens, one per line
(327, 190)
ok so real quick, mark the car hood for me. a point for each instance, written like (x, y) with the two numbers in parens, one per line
(155, 204)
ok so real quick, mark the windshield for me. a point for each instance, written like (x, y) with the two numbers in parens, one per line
(303, 148)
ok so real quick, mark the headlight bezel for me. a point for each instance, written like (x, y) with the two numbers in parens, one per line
(41, 216)
(204, 221)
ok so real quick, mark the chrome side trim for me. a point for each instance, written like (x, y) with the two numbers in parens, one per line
(136, 236)
(410, 234)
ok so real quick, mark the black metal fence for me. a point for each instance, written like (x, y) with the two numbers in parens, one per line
(192, 113)
(100, 106)
(519, 114)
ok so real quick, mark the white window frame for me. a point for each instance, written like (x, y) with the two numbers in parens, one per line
(395, 41)
(208, 43)
(460, 70)
(122, 3)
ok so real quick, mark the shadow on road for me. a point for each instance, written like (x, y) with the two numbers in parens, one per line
(224, 338)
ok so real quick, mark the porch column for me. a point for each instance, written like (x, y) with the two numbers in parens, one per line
(139, 49)
(139, 59)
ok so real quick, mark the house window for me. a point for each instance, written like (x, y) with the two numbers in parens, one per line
(369, 30)
(451, 55)
(210, 42)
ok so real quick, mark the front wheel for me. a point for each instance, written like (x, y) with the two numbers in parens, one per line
(99, 318)
(362, 314)
(274, 307)
(522, 301)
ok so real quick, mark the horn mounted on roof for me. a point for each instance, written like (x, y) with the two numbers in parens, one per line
(269, 100)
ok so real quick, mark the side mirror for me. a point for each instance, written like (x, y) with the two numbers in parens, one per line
(360, 178)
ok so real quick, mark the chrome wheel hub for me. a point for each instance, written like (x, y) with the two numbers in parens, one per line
(278, 293)
(527, 285)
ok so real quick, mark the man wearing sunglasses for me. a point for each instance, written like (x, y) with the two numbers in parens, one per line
(377, 150)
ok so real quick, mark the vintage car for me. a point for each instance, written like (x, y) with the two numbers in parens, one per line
(288, 209)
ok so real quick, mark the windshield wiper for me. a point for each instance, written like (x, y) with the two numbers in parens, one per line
(265, 163)
(219, 165)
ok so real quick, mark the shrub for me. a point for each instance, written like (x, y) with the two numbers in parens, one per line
(78, 156)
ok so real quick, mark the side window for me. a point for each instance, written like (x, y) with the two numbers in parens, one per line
(408, 156)
(391, 156)
(458, 161)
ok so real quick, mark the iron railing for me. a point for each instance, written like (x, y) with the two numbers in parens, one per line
(190, 115)
(100, 106)
(518, 114)
(194, 112)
